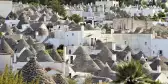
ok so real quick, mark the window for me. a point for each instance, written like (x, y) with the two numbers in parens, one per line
(72, 44)
(145, 43)
(71, 60)
(70, 75)
(92, 42)
(160, 53)
(69, 51)
(153, 52)
(72, 34)
(67, 35)
(125, 42)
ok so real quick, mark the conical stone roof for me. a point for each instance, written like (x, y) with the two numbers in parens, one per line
(99, 63)
(159, 62)
(32, 50)
(99, 44)
(33, 71)
(54, 18)
(105, 55)
(30, 41)
(23, 20)
(83, 62)
(127, 49)
(55, 56)
(12, 43)
(43, 56)
(5, 48)
(39, 47)
(26, 54)
(59, 79)
(138, 56)
(6, 28)
(16, 30)
(22, 43)
(107, 72)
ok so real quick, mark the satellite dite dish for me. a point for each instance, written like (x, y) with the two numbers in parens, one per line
(5, 8)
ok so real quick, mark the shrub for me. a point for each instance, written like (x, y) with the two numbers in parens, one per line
(71, 81)
(8, 77)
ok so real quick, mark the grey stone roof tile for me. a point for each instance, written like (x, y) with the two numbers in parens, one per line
(32, 70)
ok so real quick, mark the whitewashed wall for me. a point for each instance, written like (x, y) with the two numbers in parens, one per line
(12, 22)
(160, 44)
(5, 59)
(5, 8)
(135, 41)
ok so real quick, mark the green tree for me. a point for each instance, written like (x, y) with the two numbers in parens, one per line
(88, 80)
(24, 1)
(8, 77)
(71, 81)
(161, 14)
(131, 73)
(1, 34)
(143, 2)
(76, 18)
(57, 7)
(44, 2)
(155, 17)
(163, 6)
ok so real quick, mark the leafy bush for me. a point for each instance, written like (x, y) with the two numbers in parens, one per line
(61, 52)
(88, 80)
(76, 18)
(71, 81)
(8, 77)
(161, 15)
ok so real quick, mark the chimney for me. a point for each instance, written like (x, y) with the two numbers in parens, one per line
(113, 46)
(158, 64)
(64, 54)
(114, 57)
(63, 63)
(36, 34)
(14, 58)
(82, 34)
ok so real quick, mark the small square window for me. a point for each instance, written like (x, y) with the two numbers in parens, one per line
(72, 34)
(125, 42)
(145, 43)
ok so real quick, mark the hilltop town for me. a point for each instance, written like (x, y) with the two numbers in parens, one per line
(105, 42)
